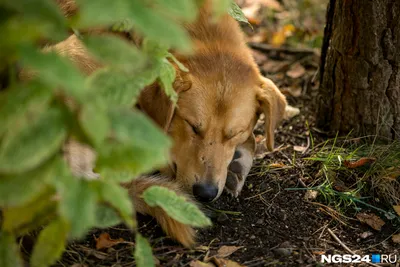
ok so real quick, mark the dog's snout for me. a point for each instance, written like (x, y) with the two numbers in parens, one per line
(205, 192)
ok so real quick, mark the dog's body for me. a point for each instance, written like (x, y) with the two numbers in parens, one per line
(219, 102)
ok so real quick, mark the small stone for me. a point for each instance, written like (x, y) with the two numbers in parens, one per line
(285, 244)
(260, 221)
(253, 237)
(311, 195)
(366, 235)
(282, 252)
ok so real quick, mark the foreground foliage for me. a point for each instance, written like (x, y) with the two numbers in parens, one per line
(37, 187)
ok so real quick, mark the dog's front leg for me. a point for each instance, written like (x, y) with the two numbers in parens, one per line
(240, 166)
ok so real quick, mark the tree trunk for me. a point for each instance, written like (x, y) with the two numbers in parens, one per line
(360, 68)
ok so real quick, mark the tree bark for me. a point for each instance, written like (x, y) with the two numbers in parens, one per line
(360, 69)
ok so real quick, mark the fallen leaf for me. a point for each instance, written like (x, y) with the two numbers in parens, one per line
(371, 219)
(225, 263)
(202, 248)
(274, 66)
(299, 148)
(197, 263)
(296, 71)
(319, 253)
(340, 186)
(226, 251)
(279, 37)
(397, 209)
(359, 163)
(277, 165)
(310, 195)
(254, 20)
(291, 112)
(294, 91)
(396, 238)
(105, 241)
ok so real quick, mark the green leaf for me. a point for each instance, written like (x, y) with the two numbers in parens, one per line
(17, 30)
(115, 52)
(143, 253)
(237, 13)
(124, 25)
(118, 198)
(182, 9)
(25, 218)
(149, 22)
(21, 102)
(128, 158)
(78, 204)
(106, 217)
(156, 26)
(175, 206)
(155, 49)
(221, 7)
(44, 14)
(92, 13)
(95, 123)
(9, 252)
(15, 190)
(50, 244)
(55, 71)
(109, 88)
(178, 63)
(33, 143)
(139, 145)
(167, 78)
(116, 176)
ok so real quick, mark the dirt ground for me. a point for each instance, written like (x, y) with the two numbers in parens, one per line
(268, 224)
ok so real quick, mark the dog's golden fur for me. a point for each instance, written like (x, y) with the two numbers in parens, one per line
(219, 102)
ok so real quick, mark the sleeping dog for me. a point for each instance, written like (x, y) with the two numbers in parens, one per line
(220, 99)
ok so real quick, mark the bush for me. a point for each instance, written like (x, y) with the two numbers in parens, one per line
(37, 187)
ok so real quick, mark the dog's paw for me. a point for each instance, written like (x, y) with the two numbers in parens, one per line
(238, 170)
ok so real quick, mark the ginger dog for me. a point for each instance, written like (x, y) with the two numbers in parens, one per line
(219, 102)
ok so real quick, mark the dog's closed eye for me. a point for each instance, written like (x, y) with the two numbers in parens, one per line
(195, 129)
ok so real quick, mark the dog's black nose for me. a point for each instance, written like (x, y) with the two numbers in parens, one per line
(205, 192)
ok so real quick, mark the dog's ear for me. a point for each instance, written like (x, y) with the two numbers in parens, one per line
(273, 104)
(155, 103)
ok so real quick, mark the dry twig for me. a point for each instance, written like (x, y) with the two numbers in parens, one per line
(346, 247)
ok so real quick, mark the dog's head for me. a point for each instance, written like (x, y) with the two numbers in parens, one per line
(216, 111)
